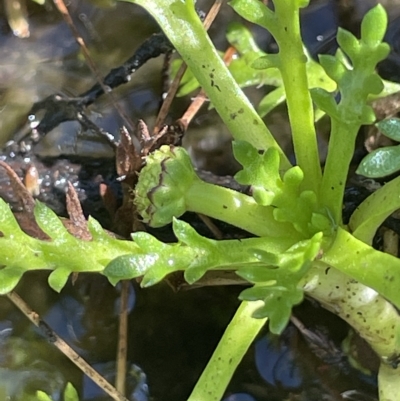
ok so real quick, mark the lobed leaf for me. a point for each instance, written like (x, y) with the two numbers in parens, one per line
(192, 254)
(278, 286)
(325, 101)
(291, 204)
(63, 253)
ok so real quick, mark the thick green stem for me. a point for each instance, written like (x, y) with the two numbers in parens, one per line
(237, 209)
(389, 383)
(374, 210)
(377, 270)
(341, 145)
(233, 345)
(371, 315)
(298, 99)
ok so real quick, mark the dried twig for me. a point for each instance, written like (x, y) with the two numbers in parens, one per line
(122, 338)
(216, 232)
(53, 338)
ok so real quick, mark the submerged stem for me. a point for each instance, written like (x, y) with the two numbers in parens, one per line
(233, 345)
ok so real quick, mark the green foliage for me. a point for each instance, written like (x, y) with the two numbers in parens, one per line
(21, 252)
(274, 266)
(168, 186)
(278, 284)
(380, 162)
(291, 204)
(377, 270)
(294, 212)
(249, 69)
(204, 61)
(70, 394)
(371, 213)
(356, 80)
(383, 161)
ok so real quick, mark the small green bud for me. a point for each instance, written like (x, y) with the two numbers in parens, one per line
(162, 186)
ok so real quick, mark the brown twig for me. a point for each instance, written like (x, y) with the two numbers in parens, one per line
(175, 83)
(53, 338)
(122, 339)
(67, 17)
(216, 232)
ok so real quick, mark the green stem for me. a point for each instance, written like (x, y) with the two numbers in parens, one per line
(237, 209)
(233, 345)
(388, 383)
(374, 210)
(284, 25)
(340, 153)
(198, 52)
(371, 315)
(377, 270)
(299, 103)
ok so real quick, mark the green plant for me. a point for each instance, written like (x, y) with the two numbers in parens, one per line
(383, 161)
(302, 245)
(70, 394)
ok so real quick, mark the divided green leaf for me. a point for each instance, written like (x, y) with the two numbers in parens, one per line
(276, 282)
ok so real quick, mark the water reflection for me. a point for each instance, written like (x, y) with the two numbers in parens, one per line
(136, 383)
(50, 62)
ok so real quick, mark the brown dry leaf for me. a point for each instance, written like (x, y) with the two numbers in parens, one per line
(127, 160)
(25, 199)
(77, 225)
(25, 218)
(109, 198)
